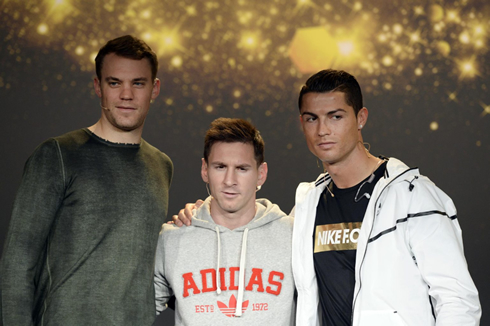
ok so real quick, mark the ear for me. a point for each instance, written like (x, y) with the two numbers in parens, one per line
(156, 89)
(301, 123)
(204, 171)
(362, 117)
(263, 169)
(97, 87)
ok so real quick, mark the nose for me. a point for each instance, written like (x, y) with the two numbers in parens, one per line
(323, 128)
(126, 93)
(230, 178)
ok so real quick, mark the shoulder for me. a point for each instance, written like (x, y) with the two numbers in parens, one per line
(286, 223)
(427, 190)
(305, 187)
(72, 138)
(167, 228)
(170, 231)
(416, 184)
(48, 149)
(155, 153)
(175, 238)
(420, 194)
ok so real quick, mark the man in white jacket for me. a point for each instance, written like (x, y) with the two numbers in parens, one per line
(374, 242)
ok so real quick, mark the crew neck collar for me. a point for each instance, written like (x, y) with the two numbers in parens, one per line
(110, 143)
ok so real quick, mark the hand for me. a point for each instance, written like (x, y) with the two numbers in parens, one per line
(185, 215)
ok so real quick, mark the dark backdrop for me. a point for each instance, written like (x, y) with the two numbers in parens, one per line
(423, 67)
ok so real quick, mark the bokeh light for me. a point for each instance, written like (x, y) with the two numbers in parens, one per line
(265, 49)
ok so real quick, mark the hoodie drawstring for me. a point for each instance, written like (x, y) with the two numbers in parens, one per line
(241, 277)
(218, 279)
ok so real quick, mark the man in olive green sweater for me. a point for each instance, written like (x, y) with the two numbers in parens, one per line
(82, 237)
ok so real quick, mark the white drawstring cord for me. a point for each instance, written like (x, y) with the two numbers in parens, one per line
(241, 277)
(218, 279)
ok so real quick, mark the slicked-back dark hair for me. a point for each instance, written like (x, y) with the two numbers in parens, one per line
(234, 131)
(129, 47)
(330, 80)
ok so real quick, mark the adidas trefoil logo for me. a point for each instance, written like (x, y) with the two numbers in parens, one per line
(229, 310)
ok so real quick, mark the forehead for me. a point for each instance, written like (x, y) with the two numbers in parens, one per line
(232, 153)
(313, 102)
(115, 66)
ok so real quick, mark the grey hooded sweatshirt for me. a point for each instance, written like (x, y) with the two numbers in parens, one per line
(228, 277)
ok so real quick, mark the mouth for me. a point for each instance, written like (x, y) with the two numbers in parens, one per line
(229, 194)
(326, 145)
(126, 108)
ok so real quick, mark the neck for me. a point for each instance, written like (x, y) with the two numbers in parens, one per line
(349, 172)
(115, 135)
(231, 220)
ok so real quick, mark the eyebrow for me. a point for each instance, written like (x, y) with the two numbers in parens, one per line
(328, 113)
(336, 111)
(309, 113)
(243, 165)
(111, 78)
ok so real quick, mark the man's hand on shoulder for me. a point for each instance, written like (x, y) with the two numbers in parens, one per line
(185, 215)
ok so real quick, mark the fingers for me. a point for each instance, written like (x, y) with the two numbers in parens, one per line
(199, 203)
(176, 221)
(185, 215)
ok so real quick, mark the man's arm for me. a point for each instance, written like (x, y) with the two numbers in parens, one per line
(437, 245)
(185, 215)
(163, 290)
(39, 196)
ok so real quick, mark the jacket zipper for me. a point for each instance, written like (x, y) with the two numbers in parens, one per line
(367, 241)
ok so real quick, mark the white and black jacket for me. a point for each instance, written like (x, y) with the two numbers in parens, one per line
(410, 264)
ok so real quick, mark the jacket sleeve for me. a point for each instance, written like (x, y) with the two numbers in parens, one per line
(39, 196)
(437, 245)
(163, 291)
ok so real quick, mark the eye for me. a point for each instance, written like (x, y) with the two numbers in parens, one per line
(113, 83)
(337, 117)
(309, 118)
(139, 84)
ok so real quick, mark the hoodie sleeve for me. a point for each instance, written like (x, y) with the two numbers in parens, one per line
(163, 291)
(437, 245)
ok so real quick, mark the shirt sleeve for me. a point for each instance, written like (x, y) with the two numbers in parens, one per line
(35, 208)
(163, 291)
(437, 245)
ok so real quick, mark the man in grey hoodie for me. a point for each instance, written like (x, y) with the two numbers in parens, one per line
(240, 263)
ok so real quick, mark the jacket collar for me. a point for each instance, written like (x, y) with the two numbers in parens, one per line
(394, 168)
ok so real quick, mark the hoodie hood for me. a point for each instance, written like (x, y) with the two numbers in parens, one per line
(265, 213)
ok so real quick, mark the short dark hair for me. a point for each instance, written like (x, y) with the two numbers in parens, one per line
(231, 131)
(130, 47)
(330, 80)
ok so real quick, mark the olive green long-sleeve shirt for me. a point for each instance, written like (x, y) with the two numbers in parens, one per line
(83, 233)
